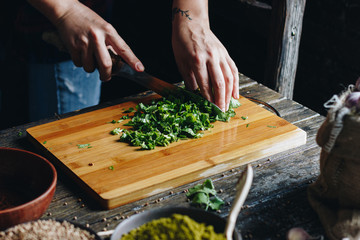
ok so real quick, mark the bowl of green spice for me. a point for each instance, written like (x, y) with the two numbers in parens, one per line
(173, 223)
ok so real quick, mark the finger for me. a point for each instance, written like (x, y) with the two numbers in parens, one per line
(124, 51)
(218, 84)
(204, 82)
(190, 81)
(103, 60)
(229, 79)
(235, 73)
(76, 58)
(88, 60)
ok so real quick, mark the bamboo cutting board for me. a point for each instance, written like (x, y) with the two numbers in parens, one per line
(115, 173)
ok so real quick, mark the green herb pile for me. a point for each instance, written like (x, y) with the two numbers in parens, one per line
(169, 119)
(204, 195)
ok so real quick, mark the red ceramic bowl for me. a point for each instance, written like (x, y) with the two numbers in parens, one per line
(27, 186)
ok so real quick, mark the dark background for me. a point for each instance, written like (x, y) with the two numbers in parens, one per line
(328, 60)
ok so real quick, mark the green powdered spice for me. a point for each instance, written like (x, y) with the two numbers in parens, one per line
(176, 227)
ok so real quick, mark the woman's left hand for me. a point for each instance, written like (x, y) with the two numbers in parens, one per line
(204, 62)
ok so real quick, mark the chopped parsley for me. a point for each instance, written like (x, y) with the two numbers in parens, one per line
(204, 195)
(86, 145)
(234, 103)
(131, 109)
(244, 118)
(167, 120)
(269, 126)
(116, 121)
(44, 142)
(111, 167)
(116, 131)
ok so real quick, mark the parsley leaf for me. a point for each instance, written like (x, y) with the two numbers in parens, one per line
(129, 110)
(86, 145)
(234, 103)
(204, 195)
(215, 203)
(116, 131)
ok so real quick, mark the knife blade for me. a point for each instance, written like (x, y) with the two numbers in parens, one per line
(122, 69)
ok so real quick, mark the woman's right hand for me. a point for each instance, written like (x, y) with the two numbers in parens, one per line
(87, 36)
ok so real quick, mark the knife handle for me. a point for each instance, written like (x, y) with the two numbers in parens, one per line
(117, 62)
(53, 38)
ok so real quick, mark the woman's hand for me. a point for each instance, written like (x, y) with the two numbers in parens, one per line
(87, 36)
(201, 58)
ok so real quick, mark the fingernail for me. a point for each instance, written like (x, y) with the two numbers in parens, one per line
(139, 67)
(237, 95)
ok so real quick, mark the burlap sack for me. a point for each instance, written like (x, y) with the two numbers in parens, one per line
(335, 195)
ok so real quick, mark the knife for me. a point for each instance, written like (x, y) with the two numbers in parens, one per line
(122, 69)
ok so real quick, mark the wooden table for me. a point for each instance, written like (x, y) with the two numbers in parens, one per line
(277, 200)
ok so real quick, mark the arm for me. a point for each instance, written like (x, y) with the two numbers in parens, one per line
(86, 35)
(201, 58)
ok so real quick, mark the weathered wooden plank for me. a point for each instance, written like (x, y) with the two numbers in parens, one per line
(293, 111)
(245, 81)
(272, 219)
(263, 190)
(261, 92)
(283, 45)
(258, 4)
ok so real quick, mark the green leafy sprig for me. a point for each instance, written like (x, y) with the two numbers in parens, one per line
(204, 195)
